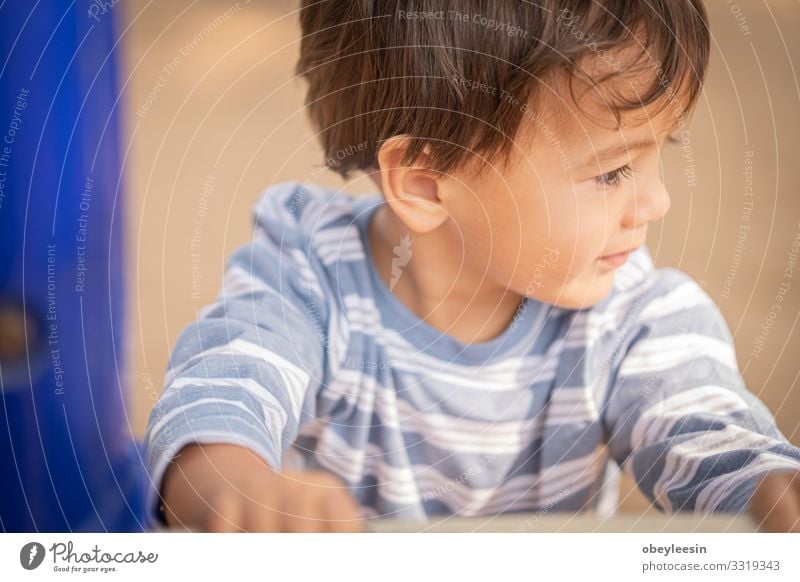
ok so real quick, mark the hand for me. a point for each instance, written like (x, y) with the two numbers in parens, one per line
(227, 488)
(775, 504)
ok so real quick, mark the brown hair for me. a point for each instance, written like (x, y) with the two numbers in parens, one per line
(441, 71)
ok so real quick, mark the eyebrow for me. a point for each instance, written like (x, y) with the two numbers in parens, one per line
(616, 151)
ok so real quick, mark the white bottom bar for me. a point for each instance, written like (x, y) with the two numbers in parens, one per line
(403, 557)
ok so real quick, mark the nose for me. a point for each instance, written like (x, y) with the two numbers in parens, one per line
(650, 203)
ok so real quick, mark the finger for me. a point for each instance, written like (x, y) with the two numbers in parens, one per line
(337, 504)
(775, 504)
(225, 514)
(267, 513)
(303, 512)
(299, 502)
(336, 507)
(341, 513)
(796, 489)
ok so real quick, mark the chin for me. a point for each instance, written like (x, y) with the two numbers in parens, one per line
(576, 296)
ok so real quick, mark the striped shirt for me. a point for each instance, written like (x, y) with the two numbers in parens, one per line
(307, 358)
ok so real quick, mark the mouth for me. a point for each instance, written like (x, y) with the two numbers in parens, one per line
(617, 259)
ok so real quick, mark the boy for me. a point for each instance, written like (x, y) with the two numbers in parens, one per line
(488, 332)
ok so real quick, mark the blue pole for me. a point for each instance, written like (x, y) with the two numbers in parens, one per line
(68, 461)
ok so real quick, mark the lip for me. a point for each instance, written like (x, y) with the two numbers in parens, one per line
(617, 259)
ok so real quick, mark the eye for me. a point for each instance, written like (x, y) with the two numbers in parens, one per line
(614, 177)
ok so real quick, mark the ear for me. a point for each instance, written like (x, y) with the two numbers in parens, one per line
(414, 192)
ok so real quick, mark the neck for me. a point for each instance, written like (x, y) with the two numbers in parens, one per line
(436, 283)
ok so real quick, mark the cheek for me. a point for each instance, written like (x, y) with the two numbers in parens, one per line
(546, 272)
(555, 254)
(581, 235)
(491, 229)
(477, 239)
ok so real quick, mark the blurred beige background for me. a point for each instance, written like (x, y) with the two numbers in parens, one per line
(215, 116)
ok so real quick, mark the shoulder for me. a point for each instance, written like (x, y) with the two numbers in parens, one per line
(662, 304)
(301, 209)
(644, 293)
(280, 253)
(311, 235)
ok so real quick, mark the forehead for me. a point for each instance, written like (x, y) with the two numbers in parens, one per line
(576, 110)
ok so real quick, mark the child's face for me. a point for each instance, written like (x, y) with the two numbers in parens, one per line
(543, 227)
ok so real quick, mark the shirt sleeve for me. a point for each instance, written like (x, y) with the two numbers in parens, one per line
(248, 370)
(678, 416)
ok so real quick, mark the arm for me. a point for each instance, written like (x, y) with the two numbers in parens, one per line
(241, 381)
(228, 488)
(775, 505)
(678, 416)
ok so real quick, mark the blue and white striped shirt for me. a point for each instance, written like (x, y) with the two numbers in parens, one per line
(308, 359)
